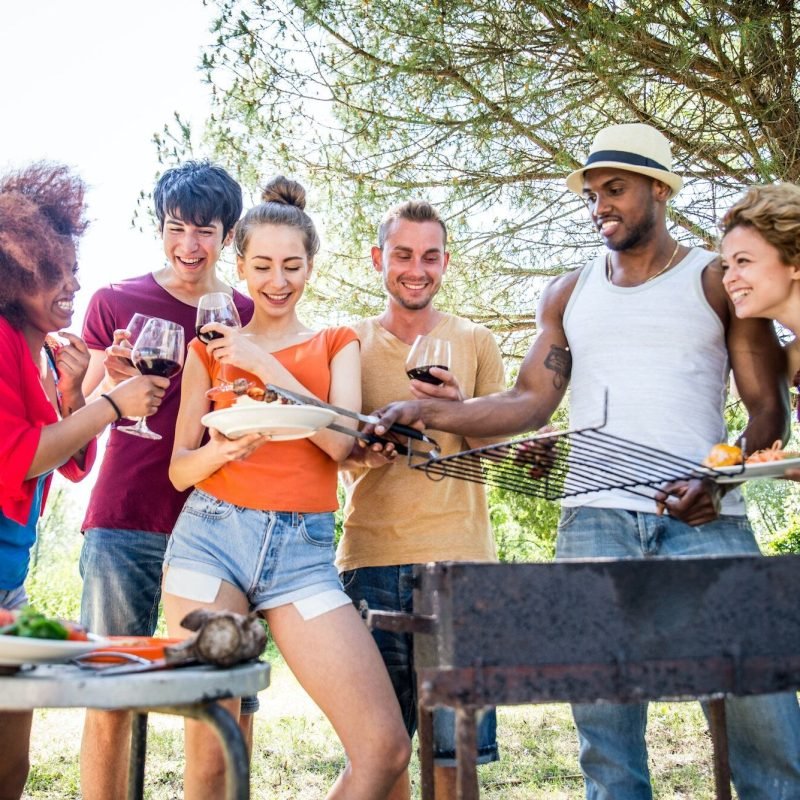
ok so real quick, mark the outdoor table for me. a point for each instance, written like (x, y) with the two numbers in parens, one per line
(185, 691)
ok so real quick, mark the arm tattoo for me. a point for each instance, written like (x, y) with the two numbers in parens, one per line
(559, 360)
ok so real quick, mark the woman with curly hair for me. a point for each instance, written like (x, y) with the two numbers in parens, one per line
(761, 256)
(45, 423)
(761, 259)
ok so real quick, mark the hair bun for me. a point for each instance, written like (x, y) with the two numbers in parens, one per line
(284, 191)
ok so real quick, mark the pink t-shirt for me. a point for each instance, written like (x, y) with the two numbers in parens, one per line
(133, 490)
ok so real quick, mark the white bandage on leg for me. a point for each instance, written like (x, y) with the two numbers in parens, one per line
(192, 585)
(314, 606)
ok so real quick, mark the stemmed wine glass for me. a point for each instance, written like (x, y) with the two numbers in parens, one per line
(217, 307)
(158, 350)
(427, 352)
(134, 328)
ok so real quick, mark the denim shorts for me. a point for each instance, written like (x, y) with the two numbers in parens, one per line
(12, 599)
(272, 557)
(121, 573)
(391, 589)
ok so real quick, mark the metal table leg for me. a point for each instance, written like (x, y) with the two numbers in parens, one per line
(138, 754)
(425, 733)
(466, 750)
(237, 761)
(234, 749)
(719, 739)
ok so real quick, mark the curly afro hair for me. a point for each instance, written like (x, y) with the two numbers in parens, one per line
(42, 215)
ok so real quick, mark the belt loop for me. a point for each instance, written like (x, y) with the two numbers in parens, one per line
(297, 518)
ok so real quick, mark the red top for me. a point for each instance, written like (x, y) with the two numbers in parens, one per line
(24, 410)
(283, 476)
(133, 491)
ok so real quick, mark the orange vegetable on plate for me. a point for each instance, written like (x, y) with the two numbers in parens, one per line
(723, 455)
(774, 453)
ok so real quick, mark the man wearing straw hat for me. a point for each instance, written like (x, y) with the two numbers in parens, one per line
(648, 321)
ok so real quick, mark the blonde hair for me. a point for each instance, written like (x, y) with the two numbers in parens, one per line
(413, 211)
(774, 212)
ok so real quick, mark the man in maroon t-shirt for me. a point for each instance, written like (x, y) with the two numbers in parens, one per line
(133, 506)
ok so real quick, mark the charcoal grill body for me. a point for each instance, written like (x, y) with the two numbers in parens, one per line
(599, 630)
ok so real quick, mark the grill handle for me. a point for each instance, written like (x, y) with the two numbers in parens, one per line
(397, 622)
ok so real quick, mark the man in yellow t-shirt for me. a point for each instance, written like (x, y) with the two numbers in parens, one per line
(396, 517)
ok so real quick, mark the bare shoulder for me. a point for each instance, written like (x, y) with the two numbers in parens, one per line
(715, 291)
(557, 293)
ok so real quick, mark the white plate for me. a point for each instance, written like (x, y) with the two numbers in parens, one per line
(17, 650)
(766, 469)
(278, 421)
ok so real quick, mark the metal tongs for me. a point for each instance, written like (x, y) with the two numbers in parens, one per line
(371, 438)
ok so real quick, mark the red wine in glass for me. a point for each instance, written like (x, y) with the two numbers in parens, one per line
(149, 361)
(159, 350)
(134, 327)
(215, 307)
(427, 352)
(208, 336)
(424, 374)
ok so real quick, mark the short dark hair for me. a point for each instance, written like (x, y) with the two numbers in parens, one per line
(413, 211)
(198, 192)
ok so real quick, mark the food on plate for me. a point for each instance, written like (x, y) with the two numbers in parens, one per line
(774, 453)
(254, 394)
(723, 455)
(30, 623)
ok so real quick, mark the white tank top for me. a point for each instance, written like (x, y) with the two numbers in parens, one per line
(659, 349)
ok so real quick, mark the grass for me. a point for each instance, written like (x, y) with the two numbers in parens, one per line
(297, 756)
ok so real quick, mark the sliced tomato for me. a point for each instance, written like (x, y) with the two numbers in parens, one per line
(6, 617)
(75, 632)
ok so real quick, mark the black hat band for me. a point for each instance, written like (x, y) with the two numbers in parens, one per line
(624, 157)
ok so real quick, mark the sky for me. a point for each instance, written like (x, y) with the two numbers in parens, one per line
(88, 83)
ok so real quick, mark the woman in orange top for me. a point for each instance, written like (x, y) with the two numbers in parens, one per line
(257, 532)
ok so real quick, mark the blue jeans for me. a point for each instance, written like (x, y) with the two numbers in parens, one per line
(121, 573)
(763, 731)
(12, 599)
(391, 589)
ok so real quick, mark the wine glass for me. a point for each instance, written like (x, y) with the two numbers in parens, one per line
(427, 352)
(134, 328)
(216, 307)
(158, 350)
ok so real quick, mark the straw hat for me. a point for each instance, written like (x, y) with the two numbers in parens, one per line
(634, 147)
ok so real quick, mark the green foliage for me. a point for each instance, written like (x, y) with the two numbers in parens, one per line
(483, 107)
(54, 583)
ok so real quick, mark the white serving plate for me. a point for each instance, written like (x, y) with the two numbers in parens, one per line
(278, 421)
(765, 469)
(18, 650)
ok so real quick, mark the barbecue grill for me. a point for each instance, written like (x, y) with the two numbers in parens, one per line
(559, 464)
(598, 630)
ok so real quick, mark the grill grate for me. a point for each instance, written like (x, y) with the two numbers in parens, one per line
(560, 464)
